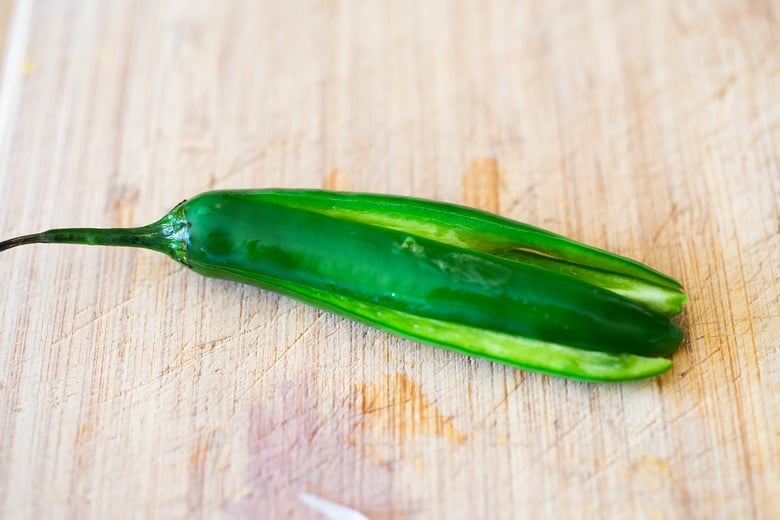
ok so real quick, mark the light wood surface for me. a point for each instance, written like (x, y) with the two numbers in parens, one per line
(130, 387)
(5, 15)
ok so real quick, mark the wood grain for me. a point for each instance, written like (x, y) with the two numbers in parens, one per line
(5, 15)
(133, 388)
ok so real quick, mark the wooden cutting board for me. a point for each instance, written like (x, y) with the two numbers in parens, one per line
(130, 387)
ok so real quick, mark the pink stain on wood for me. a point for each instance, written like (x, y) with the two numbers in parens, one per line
(300, 444)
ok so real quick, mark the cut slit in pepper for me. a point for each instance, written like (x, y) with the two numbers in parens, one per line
(438, 273)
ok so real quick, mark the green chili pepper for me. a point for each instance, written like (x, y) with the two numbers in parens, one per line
(438, 273)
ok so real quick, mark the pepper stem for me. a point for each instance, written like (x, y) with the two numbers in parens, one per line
(168, 235)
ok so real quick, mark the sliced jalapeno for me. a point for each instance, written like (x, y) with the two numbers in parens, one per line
(438, 273)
